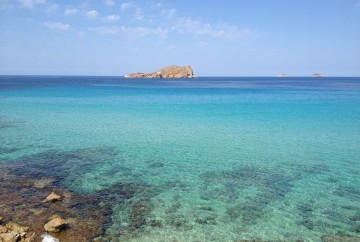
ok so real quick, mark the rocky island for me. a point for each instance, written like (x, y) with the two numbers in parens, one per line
(318, 75)
(167, 72)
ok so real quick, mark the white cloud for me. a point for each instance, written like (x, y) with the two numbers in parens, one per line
(57, 25)
(91, 14)
(168, 13)
(127, 5)
(109, 2)
(133, 32)
(31, 3)
(202, 43)
(70, 11)
(164, 21)
(199, 28)
(139, 14)
(52, 8)
(112, 18)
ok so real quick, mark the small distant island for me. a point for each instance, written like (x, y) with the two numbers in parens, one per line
(318, 75)
(167, 72)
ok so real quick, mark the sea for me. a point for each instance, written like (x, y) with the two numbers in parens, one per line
(208, 159)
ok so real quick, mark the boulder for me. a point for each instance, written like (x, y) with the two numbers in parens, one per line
(167, 72)
(9, 237)
(17, 228)
(55, 216)
(53, 197)
(15, 232)
(55, 225)
(3, 229)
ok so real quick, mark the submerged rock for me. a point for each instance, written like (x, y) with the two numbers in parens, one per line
(55, 225)
(339, 237)
(167, 72)
(53, 197)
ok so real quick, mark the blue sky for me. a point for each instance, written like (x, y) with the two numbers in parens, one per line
(217, 38)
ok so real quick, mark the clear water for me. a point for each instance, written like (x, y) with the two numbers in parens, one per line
(217, 159)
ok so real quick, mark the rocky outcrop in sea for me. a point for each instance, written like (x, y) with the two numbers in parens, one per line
(167, 72)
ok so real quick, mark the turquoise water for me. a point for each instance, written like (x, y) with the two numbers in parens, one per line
(213, 159)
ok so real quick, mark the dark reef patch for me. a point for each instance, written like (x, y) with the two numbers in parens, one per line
(348, 191)
(179, 222)
(6, 122)
(156, 164)
(26, 181)
(4, 150)
(271, 185)
(61, 166)
(339, 237)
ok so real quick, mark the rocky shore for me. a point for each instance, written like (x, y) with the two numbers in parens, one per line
(31, 208)
(167, 72)
(36, 205)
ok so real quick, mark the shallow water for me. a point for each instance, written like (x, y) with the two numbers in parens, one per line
(209, 159)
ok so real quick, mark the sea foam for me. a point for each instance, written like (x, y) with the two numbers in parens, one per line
(49, 238)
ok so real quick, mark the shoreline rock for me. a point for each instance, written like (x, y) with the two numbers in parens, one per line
(167, 72)
(52, 197)
(84, 217)
(55, 225)
(13, 232)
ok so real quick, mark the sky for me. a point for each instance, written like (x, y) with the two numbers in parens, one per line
(217, 38)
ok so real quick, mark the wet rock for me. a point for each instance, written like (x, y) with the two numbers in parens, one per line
(52, 197)
(55, 225)
(3, 229)
(55, 216)
(9, 237)
(15, 232)
(17, 228)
